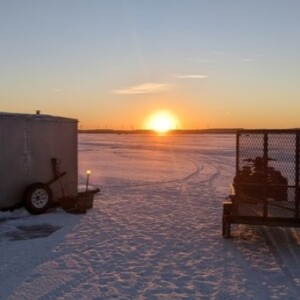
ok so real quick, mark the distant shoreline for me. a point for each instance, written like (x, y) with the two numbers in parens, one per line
(177, 131)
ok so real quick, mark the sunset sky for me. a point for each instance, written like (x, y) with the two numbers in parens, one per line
(113, 63)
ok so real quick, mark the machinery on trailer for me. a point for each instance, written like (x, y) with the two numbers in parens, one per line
(265, 189)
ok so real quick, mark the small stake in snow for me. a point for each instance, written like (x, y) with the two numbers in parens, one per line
(88, 172)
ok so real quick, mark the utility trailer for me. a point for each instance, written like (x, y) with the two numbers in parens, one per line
(38, 163)
(265, 189)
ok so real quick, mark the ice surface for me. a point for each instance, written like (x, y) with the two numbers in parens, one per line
(154, 231)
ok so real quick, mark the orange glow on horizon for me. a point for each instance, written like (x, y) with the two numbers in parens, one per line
(162, 122)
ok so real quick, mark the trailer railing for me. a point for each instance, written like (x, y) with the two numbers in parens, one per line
(265, 189)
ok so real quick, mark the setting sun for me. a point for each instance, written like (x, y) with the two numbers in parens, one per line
(162, 122)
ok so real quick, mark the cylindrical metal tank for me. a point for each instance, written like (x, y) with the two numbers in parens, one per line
(28, 143)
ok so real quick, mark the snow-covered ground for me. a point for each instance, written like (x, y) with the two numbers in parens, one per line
(154, 231)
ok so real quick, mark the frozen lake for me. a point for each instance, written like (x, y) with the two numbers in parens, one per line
(134, 160)
(154, 231)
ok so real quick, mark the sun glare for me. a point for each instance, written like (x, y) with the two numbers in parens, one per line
(162, 122)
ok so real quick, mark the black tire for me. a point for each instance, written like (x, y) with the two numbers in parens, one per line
(226, 230)
(38, 198)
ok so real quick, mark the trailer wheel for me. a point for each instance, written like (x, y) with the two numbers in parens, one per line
(38, 197)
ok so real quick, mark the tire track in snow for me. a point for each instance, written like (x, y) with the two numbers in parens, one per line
(198, 168)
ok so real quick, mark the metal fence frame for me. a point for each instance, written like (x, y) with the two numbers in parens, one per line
(287, 210)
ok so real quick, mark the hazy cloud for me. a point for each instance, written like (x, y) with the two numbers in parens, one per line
(191, 76)
(56, 90)
(218, 53)
(201, 60)
(246, 59)
(145, 88)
